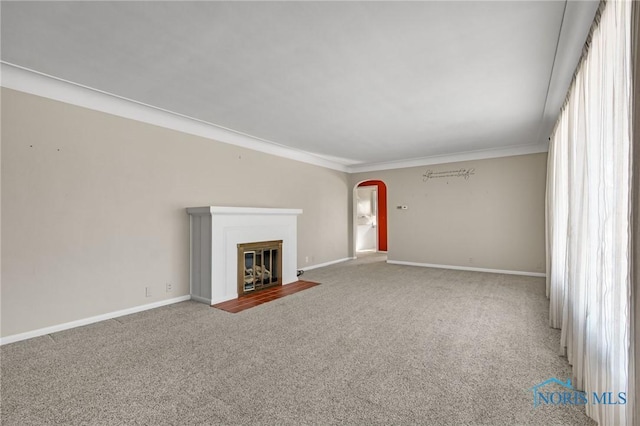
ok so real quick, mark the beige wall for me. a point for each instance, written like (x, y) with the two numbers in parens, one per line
(493, 220)
(93, 208)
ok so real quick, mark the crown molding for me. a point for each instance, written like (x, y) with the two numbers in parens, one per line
(39, 84)
(452, 158)
(576, 24)
(36, 83)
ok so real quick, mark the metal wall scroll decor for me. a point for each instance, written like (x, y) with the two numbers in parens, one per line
(459, 173)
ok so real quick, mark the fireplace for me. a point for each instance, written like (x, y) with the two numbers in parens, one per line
(217, 231)
(259, 266)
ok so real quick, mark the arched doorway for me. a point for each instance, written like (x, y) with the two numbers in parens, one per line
(370, 216)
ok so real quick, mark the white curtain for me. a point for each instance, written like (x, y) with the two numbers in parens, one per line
(634, 355)
(588, 216)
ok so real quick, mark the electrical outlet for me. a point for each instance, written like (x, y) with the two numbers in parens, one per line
(147, 291)
(169, 287)
(306, 259)
(471, 260)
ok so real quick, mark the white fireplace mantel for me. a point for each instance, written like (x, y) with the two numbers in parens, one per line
(216, 232)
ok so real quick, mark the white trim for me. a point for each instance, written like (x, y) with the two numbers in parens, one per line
(36, 83)
(452, 158)
(576, 23)
(90, 320)
(190, 256)
(218, 210)
(322, 265)
(468, 268)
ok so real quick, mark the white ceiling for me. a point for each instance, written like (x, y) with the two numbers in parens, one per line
(359, 83)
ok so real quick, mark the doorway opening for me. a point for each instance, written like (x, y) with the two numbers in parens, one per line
(370, 217)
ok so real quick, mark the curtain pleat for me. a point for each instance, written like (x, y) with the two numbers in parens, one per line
(634, 348)
(588, 217)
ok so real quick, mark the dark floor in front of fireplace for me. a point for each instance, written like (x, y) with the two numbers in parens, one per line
(249, 301)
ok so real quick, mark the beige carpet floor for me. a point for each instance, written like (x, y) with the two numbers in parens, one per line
(374, 344)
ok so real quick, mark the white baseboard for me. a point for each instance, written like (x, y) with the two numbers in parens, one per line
(90, 320)
(320, 265)
(468, 268)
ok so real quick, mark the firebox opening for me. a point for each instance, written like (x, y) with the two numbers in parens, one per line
(259, 266)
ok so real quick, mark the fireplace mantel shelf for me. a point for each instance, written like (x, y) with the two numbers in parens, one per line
(241, 210)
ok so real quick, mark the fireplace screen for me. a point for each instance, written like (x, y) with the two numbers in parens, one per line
(259, 266)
